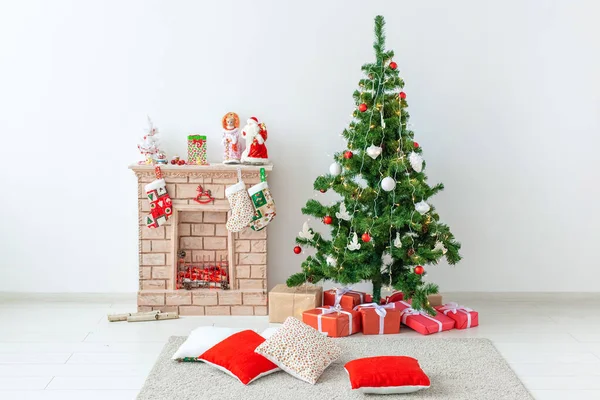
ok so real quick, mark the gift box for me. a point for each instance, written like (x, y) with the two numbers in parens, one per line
(196, 150)
(464, 317)
(287, 301)
(379, 320)
(396, 296)
(435, 300)
(347, 298)
(333, 321)
(422, 322)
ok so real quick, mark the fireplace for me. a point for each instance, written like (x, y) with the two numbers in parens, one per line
(192, 264)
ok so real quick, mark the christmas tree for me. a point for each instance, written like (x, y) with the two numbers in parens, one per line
(383, 229)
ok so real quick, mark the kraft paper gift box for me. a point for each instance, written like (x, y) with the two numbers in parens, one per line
(435, 300)
(378, 319)
(422, 322)
(287, 301)
(464, 317)
(333, 321)
(347, 298)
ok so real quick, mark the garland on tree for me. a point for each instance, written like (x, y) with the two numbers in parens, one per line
(384, 213)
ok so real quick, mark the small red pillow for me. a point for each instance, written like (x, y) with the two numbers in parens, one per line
(235, 356)
(386, 375)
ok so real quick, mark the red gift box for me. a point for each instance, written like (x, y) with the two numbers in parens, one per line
(422, 322)
(345, 297)
(464, 317)
(333, 321)
(378, 319)
(396, 296)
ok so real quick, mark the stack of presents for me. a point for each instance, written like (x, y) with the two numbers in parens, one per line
(343, 312)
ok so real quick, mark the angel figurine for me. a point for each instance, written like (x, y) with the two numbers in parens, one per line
(231, 138)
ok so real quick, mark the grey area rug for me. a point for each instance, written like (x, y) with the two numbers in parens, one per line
(458, 369)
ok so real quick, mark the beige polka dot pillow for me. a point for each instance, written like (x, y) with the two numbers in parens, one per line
(300, 350)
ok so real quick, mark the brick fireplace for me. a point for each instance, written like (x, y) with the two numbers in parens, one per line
(199, 230)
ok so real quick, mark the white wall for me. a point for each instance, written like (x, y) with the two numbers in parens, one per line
(504, 98)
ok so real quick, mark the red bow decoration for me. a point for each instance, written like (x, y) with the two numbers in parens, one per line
(204, 196)
(199, 141)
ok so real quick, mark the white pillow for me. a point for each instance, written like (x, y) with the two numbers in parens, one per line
(202, 339)
(267, 333)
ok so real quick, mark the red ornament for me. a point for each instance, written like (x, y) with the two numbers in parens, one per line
(416, 145)
(419, 270)
(322, 190)
(181, 162)
(402, 95)
(297, 249)
(366, 237)
(204, 196)
(363, 107)
(348, 154)
(393, 65)
(173, 162)
(327, 220)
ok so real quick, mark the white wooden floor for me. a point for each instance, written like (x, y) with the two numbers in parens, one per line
(62, 347)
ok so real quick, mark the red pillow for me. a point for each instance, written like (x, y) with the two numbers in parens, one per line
(386, 375)
(235, 356)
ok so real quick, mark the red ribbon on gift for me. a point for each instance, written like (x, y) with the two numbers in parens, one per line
(198, 141)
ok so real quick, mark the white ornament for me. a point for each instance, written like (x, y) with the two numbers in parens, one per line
(343, 214)
(416, 161)
(397, 241)
(331, 261)
(354, 245)
(440, 246)
(388, 184)
(335, 169)
(387, 259)
(361, 182)
(373, 151)
(306, 232)
(422, 207)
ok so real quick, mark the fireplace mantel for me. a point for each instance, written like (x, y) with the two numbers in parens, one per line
(201, 228)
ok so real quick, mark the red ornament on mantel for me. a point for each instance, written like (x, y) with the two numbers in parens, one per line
(416, 145)
(322, 190)
(419, 270)
(348, 154)
(204, 196)
(297, 249)
(402, 95)
(327, 220)
(363, 107)
(393, 65)
(366, 237)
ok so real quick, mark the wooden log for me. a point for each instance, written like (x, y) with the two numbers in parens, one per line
(154, 317)
(123, 317)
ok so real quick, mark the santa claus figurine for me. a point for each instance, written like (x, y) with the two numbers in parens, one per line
(255, 135)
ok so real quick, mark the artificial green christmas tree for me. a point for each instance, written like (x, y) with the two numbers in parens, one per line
(383, 229)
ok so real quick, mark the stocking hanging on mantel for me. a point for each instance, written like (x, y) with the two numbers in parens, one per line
(263, 203)
(160, 201)
(241, 206)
